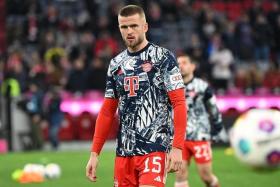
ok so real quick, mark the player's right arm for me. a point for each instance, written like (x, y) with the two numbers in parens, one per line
(103, 126)
(103, 123)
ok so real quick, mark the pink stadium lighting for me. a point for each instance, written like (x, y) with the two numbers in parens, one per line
(243, 103)
(262, 103)
(75, 106)
(95, 106)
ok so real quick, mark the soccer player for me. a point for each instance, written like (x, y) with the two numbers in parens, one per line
(145, 84)
(202, 111)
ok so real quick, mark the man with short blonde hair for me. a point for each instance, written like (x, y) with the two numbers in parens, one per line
(145, 84)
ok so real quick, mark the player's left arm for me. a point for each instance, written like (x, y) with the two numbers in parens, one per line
(175, 88)
(176, 92)
(177, 98)
(213, 110)
(178, 101)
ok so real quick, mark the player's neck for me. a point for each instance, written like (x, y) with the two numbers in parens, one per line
(139, 47)
(187, 78)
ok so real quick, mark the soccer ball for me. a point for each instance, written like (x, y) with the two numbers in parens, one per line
(255, 138)
(52, 171)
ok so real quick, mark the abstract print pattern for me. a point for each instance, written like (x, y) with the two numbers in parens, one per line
(141, 81)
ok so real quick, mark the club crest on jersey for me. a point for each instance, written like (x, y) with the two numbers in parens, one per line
(131, 84)
(147, 66)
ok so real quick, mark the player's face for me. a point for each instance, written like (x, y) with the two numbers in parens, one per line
(185, 65)
(133, 30)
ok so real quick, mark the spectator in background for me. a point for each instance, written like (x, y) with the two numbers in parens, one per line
(32, 23)
(155, 22)
(262, 34)
(87, 40)
(96, 75)
(196, 50)
(277, 41)
(55, 74)
(222, 60)
(32, 105)
(244, 38)
(255, 10)
(208, 24)
(273, 17)
(114, 8)
(54, 115)
(18, 69)
(105, 46)
(51, 18)
(273, 14)
(77, 77)
(37, 70)
(229, 37)
(11, 83)
(67, 39)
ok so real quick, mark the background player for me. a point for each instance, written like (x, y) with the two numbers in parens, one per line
(201, 106)
(140, 82)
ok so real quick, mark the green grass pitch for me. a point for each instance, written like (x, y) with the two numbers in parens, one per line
(230, 172)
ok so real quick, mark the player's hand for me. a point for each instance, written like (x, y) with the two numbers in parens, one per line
(216, 128)
(174, 160)
(215, 139)
(91, 167)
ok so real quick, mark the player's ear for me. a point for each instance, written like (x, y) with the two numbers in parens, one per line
(194, 66)
(146, 27)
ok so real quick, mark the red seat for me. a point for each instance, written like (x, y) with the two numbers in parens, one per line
(247, 4)
(85, 126)
(66, 131)
(234, 10)
(197, 5)
(219, 6)
(267, 6)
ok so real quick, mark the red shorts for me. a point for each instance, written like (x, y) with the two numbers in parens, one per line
(140, 170)
(200, 150)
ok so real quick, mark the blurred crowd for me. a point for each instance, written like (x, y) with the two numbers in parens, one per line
(69, 43)
(54, 45)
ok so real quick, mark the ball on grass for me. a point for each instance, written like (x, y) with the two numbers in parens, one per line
(52, 171)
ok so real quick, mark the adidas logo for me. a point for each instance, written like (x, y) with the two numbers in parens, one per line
(158, 179)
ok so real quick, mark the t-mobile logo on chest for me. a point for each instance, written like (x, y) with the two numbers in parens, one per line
(131, 84)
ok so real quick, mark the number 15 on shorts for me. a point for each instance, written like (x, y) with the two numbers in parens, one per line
(153, 164)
